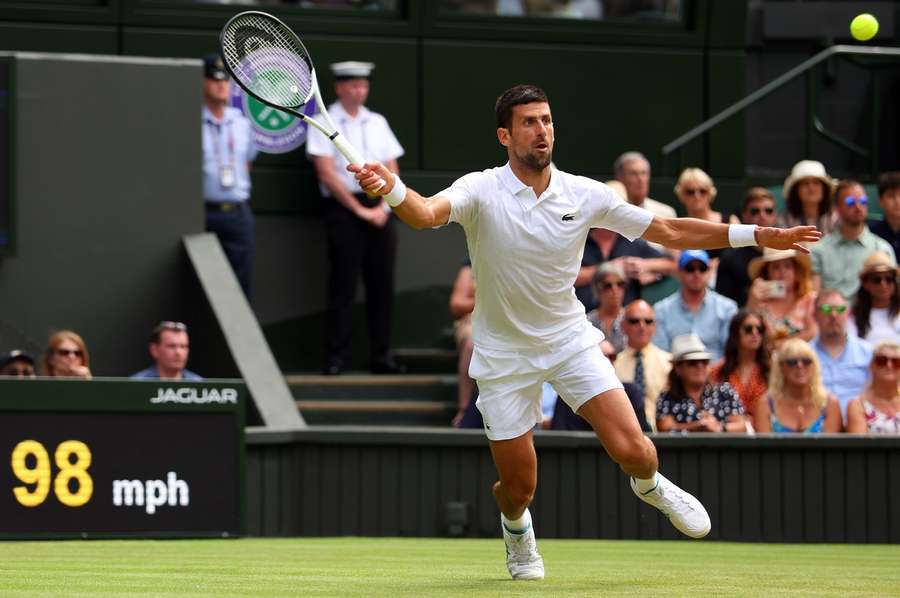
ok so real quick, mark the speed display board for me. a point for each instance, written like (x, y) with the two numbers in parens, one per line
(111, 458)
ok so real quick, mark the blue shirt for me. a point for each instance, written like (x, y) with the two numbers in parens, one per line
(227, 144)
(846, 375)
(152, 373)
(710, 322)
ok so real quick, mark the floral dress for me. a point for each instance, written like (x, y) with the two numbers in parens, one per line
(719, 399)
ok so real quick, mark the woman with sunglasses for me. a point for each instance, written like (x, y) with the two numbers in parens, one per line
(609, 289)
(782, 291)
(691, 403)
(747, 359)
(797, 402)
(876, 309)
(67, 356)
(696, 192)
(877, 410)
(807, 194)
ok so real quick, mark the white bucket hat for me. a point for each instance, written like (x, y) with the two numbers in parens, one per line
(688, 347)
(806, 169)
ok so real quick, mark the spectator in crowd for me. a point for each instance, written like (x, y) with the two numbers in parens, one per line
(691, 403)
(228, 152)
(17, 364)
(877, 409)
(807, 194)
(462, 303)
(632, 169)
(798, 401)
(565, 419)
(838, 257)
(889, 200)
(643, 363)
(641, 263)
(609, 288)
(747, 359)
(876, 309)
(696, 192)
(732, 279)
(844, 358)
(169, 348)
(361, 232)
(694, 308)
(67, 356)
(782, 291)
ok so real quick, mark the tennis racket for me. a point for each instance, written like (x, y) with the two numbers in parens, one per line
(267, 59)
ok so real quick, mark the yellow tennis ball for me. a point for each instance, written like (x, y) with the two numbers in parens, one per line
(863, 27)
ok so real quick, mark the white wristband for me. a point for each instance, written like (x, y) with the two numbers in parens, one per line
(742, 235)
(397, 194)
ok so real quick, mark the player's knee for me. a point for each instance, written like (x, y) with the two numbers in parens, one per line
(520, 492)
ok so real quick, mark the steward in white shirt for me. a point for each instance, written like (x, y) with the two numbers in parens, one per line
(526, 224)
(362, 235)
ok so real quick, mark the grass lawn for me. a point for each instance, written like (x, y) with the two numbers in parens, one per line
(374, 567)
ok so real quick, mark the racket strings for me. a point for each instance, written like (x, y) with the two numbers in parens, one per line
(268, 59)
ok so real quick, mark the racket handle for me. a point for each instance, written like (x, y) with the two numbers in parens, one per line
(349, 152)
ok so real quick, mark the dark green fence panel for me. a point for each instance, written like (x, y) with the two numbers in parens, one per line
(362, 481)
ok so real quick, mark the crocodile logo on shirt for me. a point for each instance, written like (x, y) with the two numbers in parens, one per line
(568, 217)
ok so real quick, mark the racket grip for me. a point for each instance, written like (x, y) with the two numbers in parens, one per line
(349, 152)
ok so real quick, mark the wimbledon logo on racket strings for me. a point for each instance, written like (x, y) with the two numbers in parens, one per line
(274, 131)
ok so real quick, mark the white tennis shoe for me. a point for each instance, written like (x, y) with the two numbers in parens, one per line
(684, 511)
(522, 557)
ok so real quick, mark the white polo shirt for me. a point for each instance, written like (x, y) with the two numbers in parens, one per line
(526, 253)
(369, 133)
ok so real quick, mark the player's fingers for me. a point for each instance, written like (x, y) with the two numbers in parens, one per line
(800, 248)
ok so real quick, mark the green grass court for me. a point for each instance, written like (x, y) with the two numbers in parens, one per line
(374, 567)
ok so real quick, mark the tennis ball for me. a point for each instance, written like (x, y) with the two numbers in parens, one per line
(863, 27)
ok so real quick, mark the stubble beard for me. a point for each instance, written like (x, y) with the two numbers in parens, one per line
(533, 162)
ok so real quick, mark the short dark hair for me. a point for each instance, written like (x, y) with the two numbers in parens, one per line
(520, 94)
(756, 194)
(888, 181)
(156, 333)
(843, 185)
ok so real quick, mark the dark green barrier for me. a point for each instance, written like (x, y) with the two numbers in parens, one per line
(121, 458)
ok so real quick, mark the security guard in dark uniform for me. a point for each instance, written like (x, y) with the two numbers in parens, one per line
(362, 235)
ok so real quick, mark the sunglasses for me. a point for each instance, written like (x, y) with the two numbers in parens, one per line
(67, 352)
(636, 321)
(860, 200)
(793, 362)
(170, 325)
(608, 285)
(691, 268)
(749, 328)
(881, 278)
(758, 211)
(696, 191)
(883, 360)
(827, 308)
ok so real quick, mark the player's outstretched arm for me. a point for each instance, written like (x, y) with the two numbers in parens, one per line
(413, 209)
(692, 233)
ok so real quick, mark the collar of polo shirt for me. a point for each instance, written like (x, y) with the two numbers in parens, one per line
(515, 186)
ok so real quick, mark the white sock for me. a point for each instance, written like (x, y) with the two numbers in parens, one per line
(647, 485)
(517, 526)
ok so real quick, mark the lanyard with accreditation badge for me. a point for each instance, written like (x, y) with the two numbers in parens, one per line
(226, 171)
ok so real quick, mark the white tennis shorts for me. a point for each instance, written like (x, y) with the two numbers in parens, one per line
(511, 405)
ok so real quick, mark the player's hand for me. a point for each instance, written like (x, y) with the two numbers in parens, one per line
(787, 238)
(370, 175)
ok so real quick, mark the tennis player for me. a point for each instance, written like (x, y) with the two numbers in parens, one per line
(526, 224)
